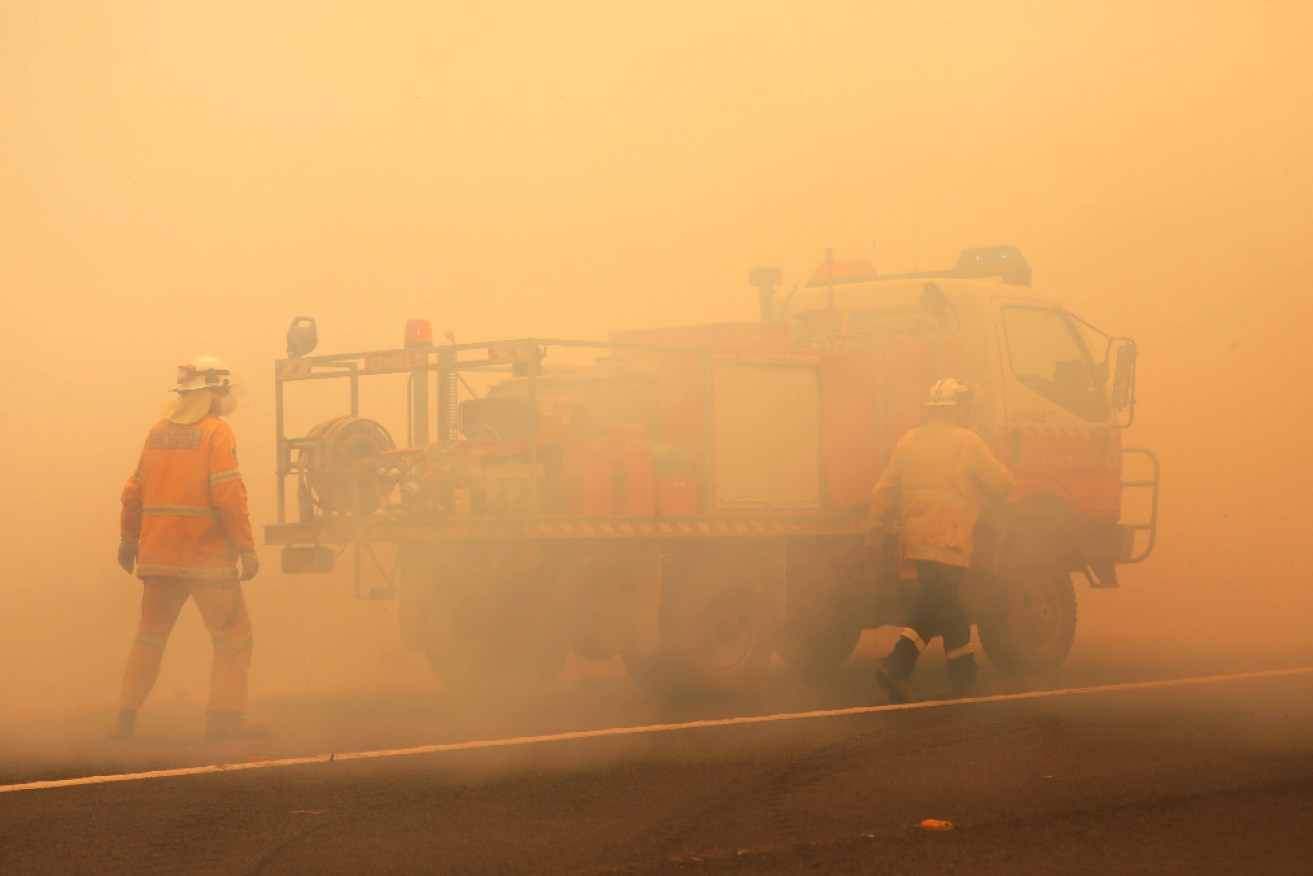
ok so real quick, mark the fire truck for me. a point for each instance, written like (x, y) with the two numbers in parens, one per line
(692, 498)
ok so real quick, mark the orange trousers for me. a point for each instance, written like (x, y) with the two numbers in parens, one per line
(224, 611)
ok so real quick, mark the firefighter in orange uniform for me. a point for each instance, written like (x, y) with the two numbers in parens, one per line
(186, 527)
(938, 478)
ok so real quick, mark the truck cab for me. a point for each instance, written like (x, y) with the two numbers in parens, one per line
(1052, 395)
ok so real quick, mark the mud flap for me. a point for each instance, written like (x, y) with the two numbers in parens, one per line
(1102, 574)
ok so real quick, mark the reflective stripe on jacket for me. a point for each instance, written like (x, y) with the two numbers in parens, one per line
(937, 479)
(186, 503)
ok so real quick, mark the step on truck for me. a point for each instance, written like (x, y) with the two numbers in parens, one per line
(692, 498)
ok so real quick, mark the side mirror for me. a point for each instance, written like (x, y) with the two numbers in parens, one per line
(1123, 378)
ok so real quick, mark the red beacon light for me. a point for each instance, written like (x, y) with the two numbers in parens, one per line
(846, 271)
(419, 333)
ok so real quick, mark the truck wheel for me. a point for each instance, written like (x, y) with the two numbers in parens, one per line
(718, 630)
(1033, 622)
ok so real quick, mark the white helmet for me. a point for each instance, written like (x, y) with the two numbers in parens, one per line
(948, 393)
(203, 372)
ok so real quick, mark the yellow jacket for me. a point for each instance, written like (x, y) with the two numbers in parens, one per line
(939, 476)
(187, 503)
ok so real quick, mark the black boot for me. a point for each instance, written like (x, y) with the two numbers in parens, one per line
(232, 725)
(896, 668)
(894, 685)
(902, 659)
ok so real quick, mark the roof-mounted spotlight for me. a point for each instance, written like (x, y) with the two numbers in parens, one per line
(302, 337)
(1005, 262)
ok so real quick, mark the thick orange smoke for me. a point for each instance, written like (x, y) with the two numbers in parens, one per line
(184, 178)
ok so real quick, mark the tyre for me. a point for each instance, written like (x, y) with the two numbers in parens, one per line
(718, 630)
(1032, 623)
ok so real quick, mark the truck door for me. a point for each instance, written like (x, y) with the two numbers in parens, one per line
(1058, 427)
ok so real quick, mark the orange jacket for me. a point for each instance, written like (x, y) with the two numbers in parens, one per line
(939, 476)
(186, 503)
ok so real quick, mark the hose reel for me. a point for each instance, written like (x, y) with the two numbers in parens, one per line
(339, 469)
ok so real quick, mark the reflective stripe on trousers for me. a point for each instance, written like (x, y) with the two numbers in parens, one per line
(914, 637)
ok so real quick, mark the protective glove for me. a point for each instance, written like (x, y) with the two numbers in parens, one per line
(250, 565)
(127, 555)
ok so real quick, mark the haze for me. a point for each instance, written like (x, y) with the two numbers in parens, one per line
(181, 178)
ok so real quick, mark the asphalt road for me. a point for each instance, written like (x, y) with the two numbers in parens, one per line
(1214, 776)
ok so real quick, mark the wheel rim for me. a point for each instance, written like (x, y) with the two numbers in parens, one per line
(1038, 612)
(725, 636)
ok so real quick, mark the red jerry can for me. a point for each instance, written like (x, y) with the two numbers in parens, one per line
(592, 476)
(677, 497)
(638, 471)
(597, 487)
(634, 472)
(678, 491)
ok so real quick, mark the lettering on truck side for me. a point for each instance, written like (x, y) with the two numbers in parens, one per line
(1034, 416)
(397, 360)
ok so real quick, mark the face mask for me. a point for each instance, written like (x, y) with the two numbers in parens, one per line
(225, 404)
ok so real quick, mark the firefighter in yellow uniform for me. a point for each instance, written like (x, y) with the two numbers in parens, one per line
(186, 527)
(936, 481)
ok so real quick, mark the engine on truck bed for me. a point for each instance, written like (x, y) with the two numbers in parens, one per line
(582, 445)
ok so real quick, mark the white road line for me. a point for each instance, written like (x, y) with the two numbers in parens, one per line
(649, 728)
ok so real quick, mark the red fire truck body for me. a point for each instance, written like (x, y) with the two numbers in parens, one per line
(693, 498)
